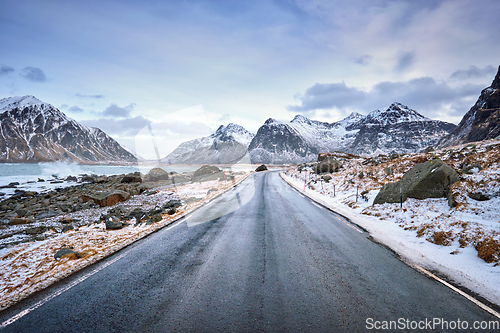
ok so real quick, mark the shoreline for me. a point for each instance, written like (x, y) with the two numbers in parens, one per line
(30, 266)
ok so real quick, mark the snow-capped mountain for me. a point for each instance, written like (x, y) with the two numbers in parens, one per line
(396, 129)
(35, 131)
(482, 121)
(299, 140)
(227, 145)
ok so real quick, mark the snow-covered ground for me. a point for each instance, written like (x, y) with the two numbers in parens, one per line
(424, 232)
(30, 267)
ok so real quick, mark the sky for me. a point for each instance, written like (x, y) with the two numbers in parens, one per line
(186, 67)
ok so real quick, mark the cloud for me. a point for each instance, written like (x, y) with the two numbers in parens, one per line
(5, 70)
(423, 94)
(328, 96)
(33, 74)
(473, 72)
(115, 111)
(363, 60)
(121, 127)
(75, 109)
(225, 117)
(89, 96)
(405, 60)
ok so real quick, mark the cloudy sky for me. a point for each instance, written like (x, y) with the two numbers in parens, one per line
(188, 66)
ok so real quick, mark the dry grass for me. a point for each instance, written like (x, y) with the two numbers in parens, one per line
(488, 249)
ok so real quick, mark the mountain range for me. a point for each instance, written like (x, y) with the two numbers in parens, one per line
(397, 129)
(34, 131)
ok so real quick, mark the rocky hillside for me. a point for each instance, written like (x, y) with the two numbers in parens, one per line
(482, 122)
(34, 131)
(398, 129)
(227, 145)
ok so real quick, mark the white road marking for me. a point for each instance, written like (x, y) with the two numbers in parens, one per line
(59, 292)
(470, 298)
(315, 204)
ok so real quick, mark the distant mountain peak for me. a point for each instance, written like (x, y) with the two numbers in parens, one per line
(496, 82)
(300, 118)
(19, 101)
(271, 121)
(35, 131)
(394, 114)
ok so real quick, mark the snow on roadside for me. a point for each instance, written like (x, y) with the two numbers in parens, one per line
(425, 232)
(30, 267)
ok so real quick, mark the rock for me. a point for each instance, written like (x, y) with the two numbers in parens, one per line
(204, 171)
(113, 223)
(262, 167)
(56, 182)
(171, 211)
(20, 220)
(67, 227)
(35, 230)
(326, 178)
(431, 179)
(67, 252)
(105, 199)
(71, 179)
(478, 196)
(21, 212)
(327, 166)
(154, 218)
(172, 204)
(157, 174)
(388, 170)
(29, 194)
(47, 214)
(87, 179)
(471, 169)
(137, 213)
(66, 220)
(40, 180)
(134, 177)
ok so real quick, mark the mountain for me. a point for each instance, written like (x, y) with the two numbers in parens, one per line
(398, 129)
(299, 140)
(482, 121)
(227, 145)
(34, 131)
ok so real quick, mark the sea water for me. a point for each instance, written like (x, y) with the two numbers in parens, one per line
(41, 177)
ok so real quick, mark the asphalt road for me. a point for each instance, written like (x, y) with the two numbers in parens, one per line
(259, 258)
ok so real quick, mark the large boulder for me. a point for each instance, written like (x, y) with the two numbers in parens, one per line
(262, 167)
(205, 173)
(105, 199)
(431, 179)
(133, 177)
(157, 174)
(327, 163)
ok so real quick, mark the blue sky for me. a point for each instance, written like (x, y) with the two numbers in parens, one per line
(193, 65)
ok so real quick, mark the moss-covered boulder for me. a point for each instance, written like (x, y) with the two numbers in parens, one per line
(431, 179)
